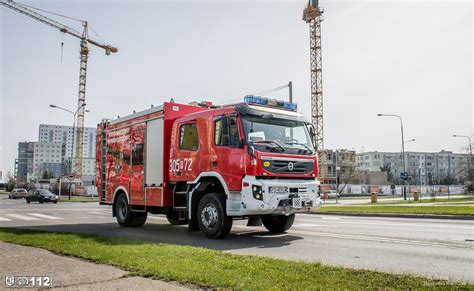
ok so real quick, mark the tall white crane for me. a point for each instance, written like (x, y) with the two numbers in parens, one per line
(84, 53)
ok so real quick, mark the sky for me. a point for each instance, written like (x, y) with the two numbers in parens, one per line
(411, 58)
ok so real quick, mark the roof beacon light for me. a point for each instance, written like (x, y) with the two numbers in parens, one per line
(259, 100)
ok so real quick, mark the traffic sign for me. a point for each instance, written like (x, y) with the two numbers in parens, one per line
(403, 175)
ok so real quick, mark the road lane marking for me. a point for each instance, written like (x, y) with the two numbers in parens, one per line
(382, 239)
(312, 225)
(22, 217)
(4, 219)
(44, 216)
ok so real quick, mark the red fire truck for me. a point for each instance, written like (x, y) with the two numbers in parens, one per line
(206, 165)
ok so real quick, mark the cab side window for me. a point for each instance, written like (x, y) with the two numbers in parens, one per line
(226, 132)
(188, 137)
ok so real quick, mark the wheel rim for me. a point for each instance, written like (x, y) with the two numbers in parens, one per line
(122, 210)
(209, 216)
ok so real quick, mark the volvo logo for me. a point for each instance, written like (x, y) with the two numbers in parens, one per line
(290, 166)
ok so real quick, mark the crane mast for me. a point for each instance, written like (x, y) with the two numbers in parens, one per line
(313, 16)
(84, 54)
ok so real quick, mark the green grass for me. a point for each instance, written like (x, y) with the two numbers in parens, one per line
(3, 192)
(444, 209)
(211, 268)
(65, 198)
(468, 200)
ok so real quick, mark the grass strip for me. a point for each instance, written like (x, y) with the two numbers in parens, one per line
(211, 268)
(426, 200)
(441, 209)
(78, 199)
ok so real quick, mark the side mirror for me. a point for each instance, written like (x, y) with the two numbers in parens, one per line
(311, 131)
(251, 151)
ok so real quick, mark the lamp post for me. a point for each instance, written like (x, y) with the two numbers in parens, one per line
(73, 133)
(469, 164)
(403, 148)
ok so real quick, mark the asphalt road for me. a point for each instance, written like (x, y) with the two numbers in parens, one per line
(431, 248)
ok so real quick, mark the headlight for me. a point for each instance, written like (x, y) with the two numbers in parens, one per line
(56, 197)
(278, 189)
(257, 192)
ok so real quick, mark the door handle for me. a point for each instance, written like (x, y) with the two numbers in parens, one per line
(214, 163)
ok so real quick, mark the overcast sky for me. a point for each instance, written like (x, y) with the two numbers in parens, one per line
(408, 58)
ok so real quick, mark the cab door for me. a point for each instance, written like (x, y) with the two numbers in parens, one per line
(228, 151)
(186, 149)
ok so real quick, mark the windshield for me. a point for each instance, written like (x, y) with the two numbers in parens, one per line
(280, 135)
(44, 192)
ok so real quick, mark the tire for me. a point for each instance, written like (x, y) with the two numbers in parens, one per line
(28, 200)
(55, 202)
(126, 217)
(211, 216)
(278, 223)
(40, 201)
(173, 218)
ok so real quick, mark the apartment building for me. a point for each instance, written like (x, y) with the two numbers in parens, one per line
(425, 167)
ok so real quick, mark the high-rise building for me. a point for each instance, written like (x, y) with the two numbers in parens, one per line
(66, 136)
(47, 159)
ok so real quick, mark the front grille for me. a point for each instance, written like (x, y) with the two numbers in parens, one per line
(288, 166)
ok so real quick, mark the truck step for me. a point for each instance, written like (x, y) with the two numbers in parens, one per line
(180, 208)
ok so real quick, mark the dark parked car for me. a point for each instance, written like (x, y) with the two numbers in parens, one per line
(17, 193)
(41, 195)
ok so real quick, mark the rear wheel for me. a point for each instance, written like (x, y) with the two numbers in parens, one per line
(173, 218)
(28, 200)
(211, 216)
(278, 223)
(126, 217)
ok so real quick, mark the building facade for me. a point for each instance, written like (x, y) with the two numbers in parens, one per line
(426, 168)
(47, 160)
(66, 136)
(339, 163)
(24, 162)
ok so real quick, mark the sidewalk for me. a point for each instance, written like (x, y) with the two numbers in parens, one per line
(70, 273)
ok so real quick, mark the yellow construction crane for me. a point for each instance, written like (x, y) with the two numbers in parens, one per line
(84, 53)
(313, 15)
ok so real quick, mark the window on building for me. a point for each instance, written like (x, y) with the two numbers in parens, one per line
(188, 137)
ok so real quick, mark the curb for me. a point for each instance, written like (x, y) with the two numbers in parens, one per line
(429, 216)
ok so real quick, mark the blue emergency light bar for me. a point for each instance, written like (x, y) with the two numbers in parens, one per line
(259, 100)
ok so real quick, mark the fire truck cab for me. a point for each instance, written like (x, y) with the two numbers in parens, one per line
(205, 166)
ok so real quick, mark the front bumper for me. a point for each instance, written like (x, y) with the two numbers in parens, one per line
(303, 197)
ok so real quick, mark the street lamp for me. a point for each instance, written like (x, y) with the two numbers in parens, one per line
(73, 131)
(407, 141)
(470, 156)
(403, 147)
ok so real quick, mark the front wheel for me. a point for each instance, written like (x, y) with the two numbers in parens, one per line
(28, 200)
(211, 216)
(126, 217)
(278, 223)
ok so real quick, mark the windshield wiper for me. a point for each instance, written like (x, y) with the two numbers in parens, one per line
(272, 142)
(301, 144)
